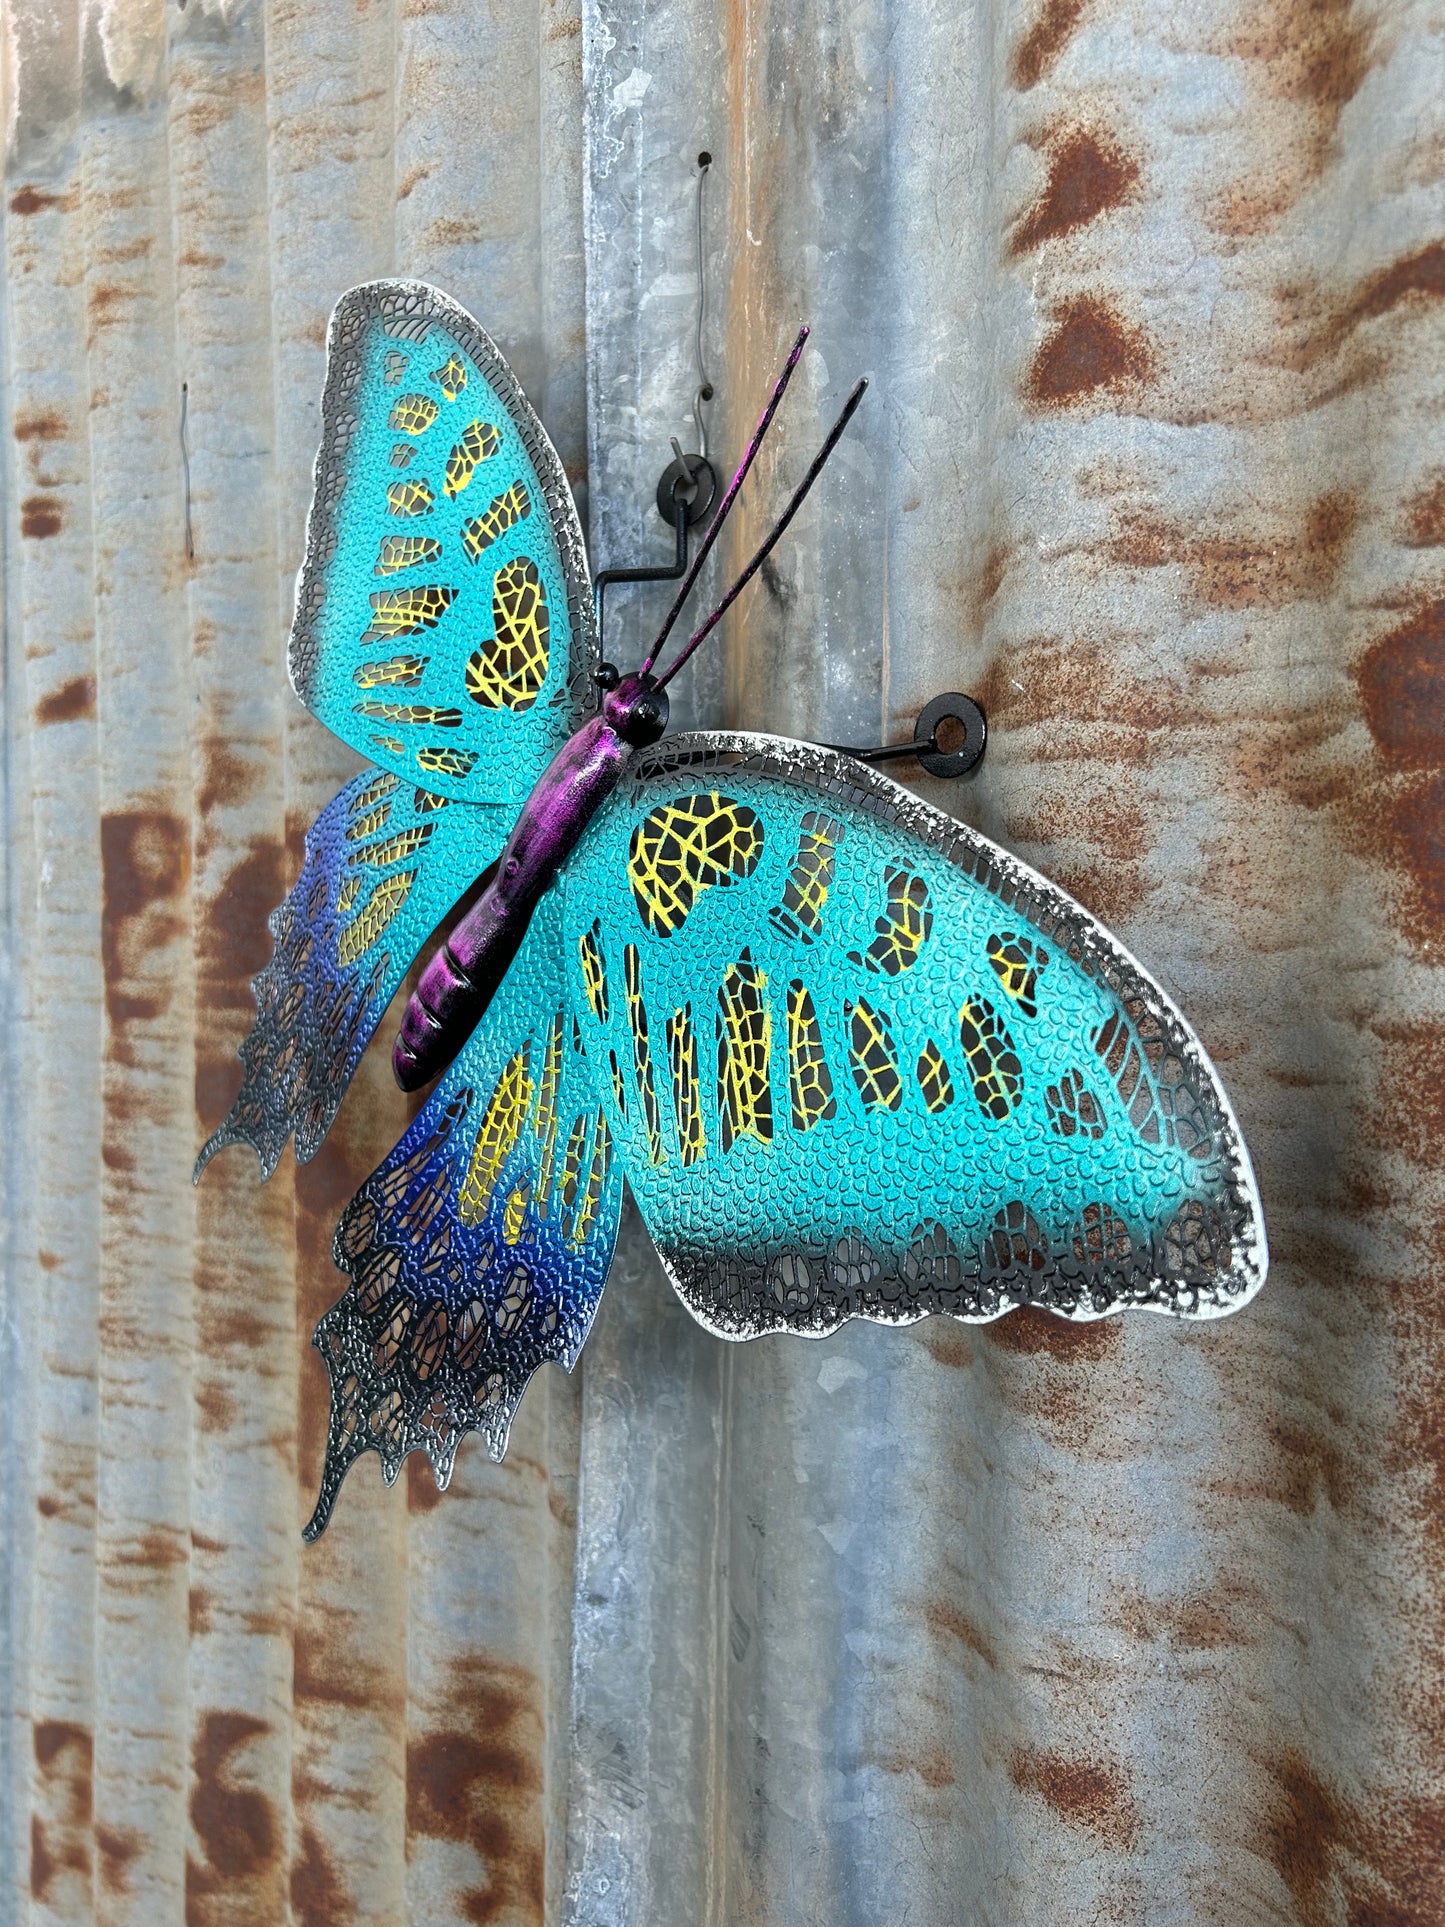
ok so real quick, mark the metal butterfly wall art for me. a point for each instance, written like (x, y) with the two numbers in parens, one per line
(854, 1060)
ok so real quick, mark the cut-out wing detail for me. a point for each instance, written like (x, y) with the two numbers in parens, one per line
(385, 861)
(867, 1064)
(443, 613)
(479, 1249)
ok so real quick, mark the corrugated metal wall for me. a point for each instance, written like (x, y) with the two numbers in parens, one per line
(1127, 1623)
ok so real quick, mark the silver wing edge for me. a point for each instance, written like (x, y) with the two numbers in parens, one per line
(407, 309)
(1099, 952)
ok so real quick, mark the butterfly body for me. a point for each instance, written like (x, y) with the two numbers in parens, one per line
(852, 1059)
(463, 976)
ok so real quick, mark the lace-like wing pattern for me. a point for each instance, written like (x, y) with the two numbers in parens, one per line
(867, 1064)
(479, 1249)
(385, 860)
(443, 615)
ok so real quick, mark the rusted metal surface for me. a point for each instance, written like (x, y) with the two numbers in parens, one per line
(1129, 1623)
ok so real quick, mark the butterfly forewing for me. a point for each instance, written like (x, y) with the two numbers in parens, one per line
(870, 1065)
(478, 1250)
(443, 628)
(443, 619)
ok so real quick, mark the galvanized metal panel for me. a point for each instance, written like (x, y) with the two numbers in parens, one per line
(1128, 1623)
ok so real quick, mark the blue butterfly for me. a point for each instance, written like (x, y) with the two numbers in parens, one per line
(854, 1060)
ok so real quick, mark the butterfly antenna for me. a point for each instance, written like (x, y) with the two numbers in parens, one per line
(800, 495)
(764, 423)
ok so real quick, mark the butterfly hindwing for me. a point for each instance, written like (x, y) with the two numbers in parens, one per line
(861, 1062)
(478, 1250)
(385, 860)
(443, 617)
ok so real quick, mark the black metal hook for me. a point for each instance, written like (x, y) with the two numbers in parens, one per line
(686, 492)
(952, 707)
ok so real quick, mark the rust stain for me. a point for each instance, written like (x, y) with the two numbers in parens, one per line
(234, 946)
(145, 861)
(1246, 571)
(946, 1343)
(318, 1898)
(215, 1404)
(45, 426)
(479, 1784)
(1315, 325)
(947, 1621)
(60, 1836)
(1029, 1330)
(118, 1847)
(1045, 41)
(34, 200)
(1091, 708)
(40, 517)
(1090, 349)
(1314, 56)
(68, 704)
(421, 1486)
(235, 1824)
(1089, 1795)
(1089, 173)
(1425, 517)
(1401, 680)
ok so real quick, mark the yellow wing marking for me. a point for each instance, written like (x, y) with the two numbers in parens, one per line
(504, 512)
(681, 849)
(934, 1078)
(347, 895)
(993, 1063)
(373, 916)
(368, 825)
(406, 612)
(405, 552)
(514, 1215)
(1018, 963)
(508, 672)
(642, 1053)
(594, 970)
(800, 914)
(409, 498)
(393, 848)
(544, 1121)
(413, 414)
(412, 715)
(589, 1199)
(445, 762)
(500, 1127)
(904, 927)
(451, 377)
(872, 1058)
(396, 672)
(423, 802)
(810, 1084)
(393, 744)
(686, 1088)
(744, 1050)
(479, 442)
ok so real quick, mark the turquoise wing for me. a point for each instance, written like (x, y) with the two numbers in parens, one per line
(443, 618)
(479, 1249)
(444, 628)
(385, 861)
(860, 1062)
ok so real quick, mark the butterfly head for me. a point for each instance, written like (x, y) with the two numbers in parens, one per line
(636, 708)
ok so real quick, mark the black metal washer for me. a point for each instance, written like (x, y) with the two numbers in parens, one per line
(958, 708)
